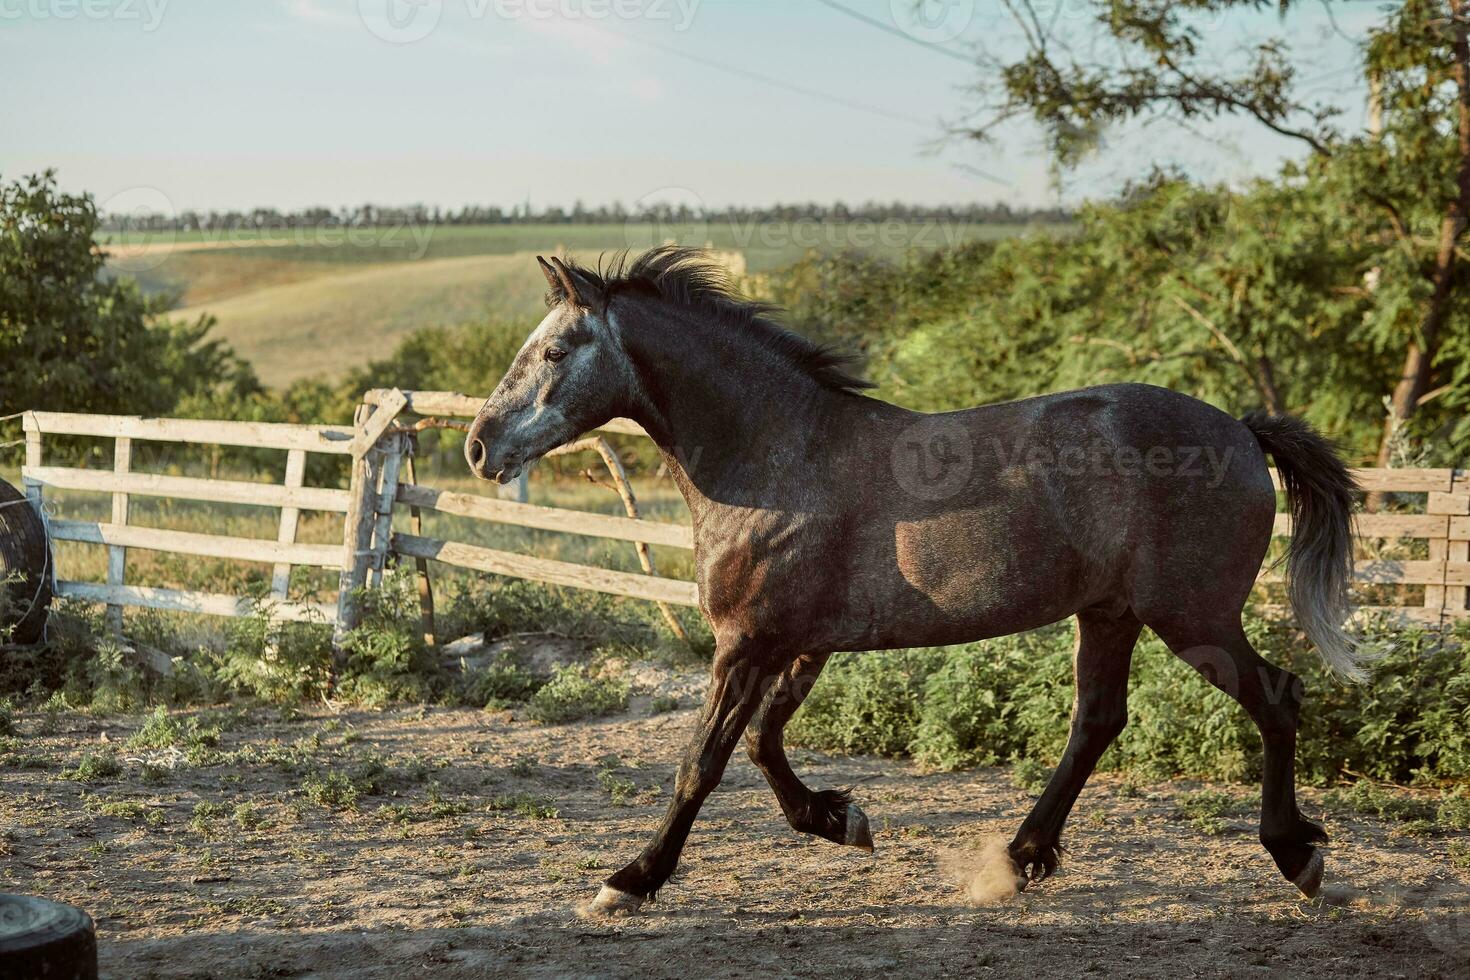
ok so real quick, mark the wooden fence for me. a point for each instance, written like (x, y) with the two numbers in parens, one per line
(365, 443)
(649, 586)
(1444, 572)
(379, 446)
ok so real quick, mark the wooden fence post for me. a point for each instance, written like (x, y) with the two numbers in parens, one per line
(426, 585)
(362, 511)
(393, 450)
(1445, 597)
(290, 520)
(33, 461)
(117, 555)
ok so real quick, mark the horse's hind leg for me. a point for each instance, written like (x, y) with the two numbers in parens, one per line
(1272, 697)
(1099, 712)
(830, 813)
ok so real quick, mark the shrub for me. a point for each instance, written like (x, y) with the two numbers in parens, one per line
(503, 682)
(1009, 698)
(573, 694)
(162, 731)
(334, 791)
(95, 767)
(273, 661)
(526, 805)
(860, 706)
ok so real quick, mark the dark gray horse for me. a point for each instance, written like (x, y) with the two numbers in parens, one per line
(827, 521)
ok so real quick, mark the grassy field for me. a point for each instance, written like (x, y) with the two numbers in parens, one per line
(349, 315)
(766, 246)
(299, 303)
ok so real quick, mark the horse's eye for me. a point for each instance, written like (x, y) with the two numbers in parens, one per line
(554, 354)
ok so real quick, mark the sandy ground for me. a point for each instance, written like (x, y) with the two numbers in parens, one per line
(453, 865)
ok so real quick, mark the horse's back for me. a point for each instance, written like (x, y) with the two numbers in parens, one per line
(1010, 516)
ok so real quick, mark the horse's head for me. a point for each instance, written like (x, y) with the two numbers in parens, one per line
(571, 376)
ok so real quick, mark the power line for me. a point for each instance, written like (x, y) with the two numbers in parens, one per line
(756, 76)
(890, 29)
(984, 175)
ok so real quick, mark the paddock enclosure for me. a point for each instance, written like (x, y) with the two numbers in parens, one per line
(482, 830)
(1413, 562)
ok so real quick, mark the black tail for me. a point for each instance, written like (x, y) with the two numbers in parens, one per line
(1319, 563)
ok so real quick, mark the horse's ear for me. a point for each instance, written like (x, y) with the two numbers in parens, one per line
(550, 274)
(568, 284)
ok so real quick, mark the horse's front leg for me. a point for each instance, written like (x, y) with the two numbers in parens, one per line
(741, 674)
(830, 814)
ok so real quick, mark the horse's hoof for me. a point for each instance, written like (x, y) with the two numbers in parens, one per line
(858, 834)
(1309, 881)
(613, 903)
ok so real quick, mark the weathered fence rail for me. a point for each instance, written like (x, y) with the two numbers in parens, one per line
(1444, 526)
(380, 446)
(119, 535)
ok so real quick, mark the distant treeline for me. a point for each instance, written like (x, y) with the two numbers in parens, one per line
(371, 216)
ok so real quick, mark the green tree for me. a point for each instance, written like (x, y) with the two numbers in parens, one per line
(72, 337)
(1406, 185)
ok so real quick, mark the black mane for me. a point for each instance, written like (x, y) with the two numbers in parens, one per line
(689, 278)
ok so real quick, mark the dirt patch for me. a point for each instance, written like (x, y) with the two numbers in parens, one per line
(414, 842)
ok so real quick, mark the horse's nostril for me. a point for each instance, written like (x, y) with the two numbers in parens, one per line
(476, 452)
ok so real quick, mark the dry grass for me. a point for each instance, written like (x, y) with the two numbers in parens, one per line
(351, 315)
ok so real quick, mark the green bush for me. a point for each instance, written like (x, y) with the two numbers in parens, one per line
(95, 767)
(1009, 699)
(162, 731)
(500, 683)
(332, 791)
(856, 708)
(573, 694)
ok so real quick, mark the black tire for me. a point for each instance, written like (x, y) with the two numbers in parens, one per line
(25, 552)
(41, 939)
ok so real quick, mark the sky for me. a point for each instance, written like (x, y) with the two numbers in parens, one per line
(221, 104)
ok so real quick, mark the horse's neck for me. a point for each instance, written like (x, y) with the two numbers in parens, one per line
(735, 426)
